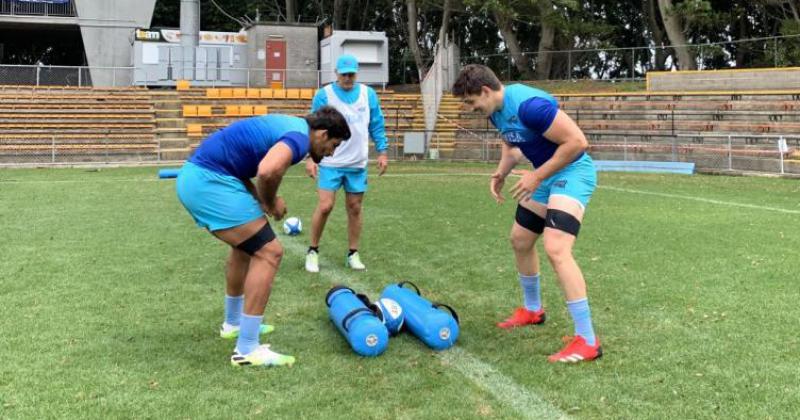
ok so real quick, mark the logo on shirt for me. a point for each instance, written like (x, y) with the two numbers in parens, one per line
(513, 137)
(561, 183)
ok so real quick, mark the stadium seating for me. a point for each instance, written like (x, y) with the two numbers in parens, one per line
(48, 124)
(171, 123)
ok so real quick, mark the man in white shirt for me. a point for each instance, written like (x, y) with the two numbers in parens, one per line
(347, 167)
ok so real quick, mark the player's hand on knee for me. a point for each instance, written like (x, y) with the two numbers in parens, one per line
(496, 186)
(311, 168)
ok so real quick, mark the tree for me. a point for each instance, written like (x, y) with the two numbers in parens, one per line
(673, 24)
(413, 42)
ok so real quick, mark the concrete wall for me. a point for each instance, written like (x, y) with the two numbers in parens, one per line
(107, 28)
(370, 48)
(724, 80)
(301, 53)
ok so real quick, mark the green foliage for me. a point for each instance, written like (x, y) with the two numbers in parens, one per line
(580, 24)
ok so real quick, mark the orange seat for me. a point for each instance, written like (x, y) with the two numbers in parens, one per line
(194, 130)
(279, 93)
(240, 93)
(231, 110)
(204, 110)
(182, 85)
(253, 94)
(226, 93)
(292, 93)
(189, 111)
(266, 93)
(260, 110)
(212, 93)
(246, 110)
(307, 93)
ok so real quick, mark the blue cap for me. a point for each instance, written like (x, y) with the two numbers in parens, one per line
(346, 64)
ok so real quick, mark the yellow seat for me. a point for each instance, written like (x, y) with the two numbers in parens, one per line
(231, 110)
(194, 130)
(212, 93)
(226, 93)
(246, 110)
(260, 110)
(253, 94)
(292, 93)
(266, 93)
(307, 94)
(240, 93)
(204, 111)
(182, 85)
(189, 111)
(279, 93)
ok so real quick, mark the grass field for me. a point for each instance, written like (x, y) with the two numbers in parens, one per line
(111, 299)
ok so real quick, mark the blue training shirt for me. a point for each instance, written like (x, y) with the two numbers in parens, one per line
(377, 129)
(237, 149)
(526, 114)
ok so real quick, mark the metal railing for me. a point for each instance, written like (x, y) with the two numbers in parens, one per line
(721, 152)
(39, 8)
(717, 152)
(86, 76)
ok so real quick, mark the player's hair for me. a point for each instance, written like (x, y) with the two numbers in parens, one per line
(328, 118)
(472, 78)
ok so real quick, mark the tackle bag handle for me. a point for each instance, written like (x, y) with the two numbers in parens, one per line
(412, 284)
(352, 314)
(449, 308)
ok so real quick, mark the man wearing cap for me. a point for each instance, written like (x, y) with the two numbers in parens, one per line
(347, 167)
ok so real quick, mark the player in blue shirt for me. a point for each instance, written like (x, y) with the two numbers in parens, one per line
(215, 187)
(552, 198)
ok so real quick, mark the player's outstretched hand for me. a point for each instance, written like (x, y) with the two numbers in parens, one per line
(311, 168)
(496, 186)
(383, 163)
(527, 184)
(278, 210)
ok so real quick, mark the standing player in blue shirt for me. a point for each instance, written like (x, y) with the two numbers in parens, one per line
(347, 168)
(215, 186)
(552, 198)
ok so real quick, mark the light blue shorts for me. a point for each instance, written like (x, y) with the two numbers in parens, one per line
(354, 180)
(577, 181)
(214, 200)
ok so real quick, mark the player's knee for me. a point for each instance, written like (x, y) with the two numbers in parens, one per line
(354, 209)
(521, 240)
(271, 253)
(326, 207)
(558, 249)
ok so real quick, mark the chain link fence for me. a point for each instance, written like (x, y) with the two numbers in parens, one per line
(773, 154)
(30, 149)
(73, 76)
(734, 153)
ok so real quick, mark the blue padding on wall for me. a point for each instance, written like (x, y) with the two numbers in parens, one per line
(168, 173)
(686, 168)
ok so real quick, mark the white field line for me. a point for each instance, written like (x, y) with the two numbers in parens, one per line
(442, 174)
(702, 200)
